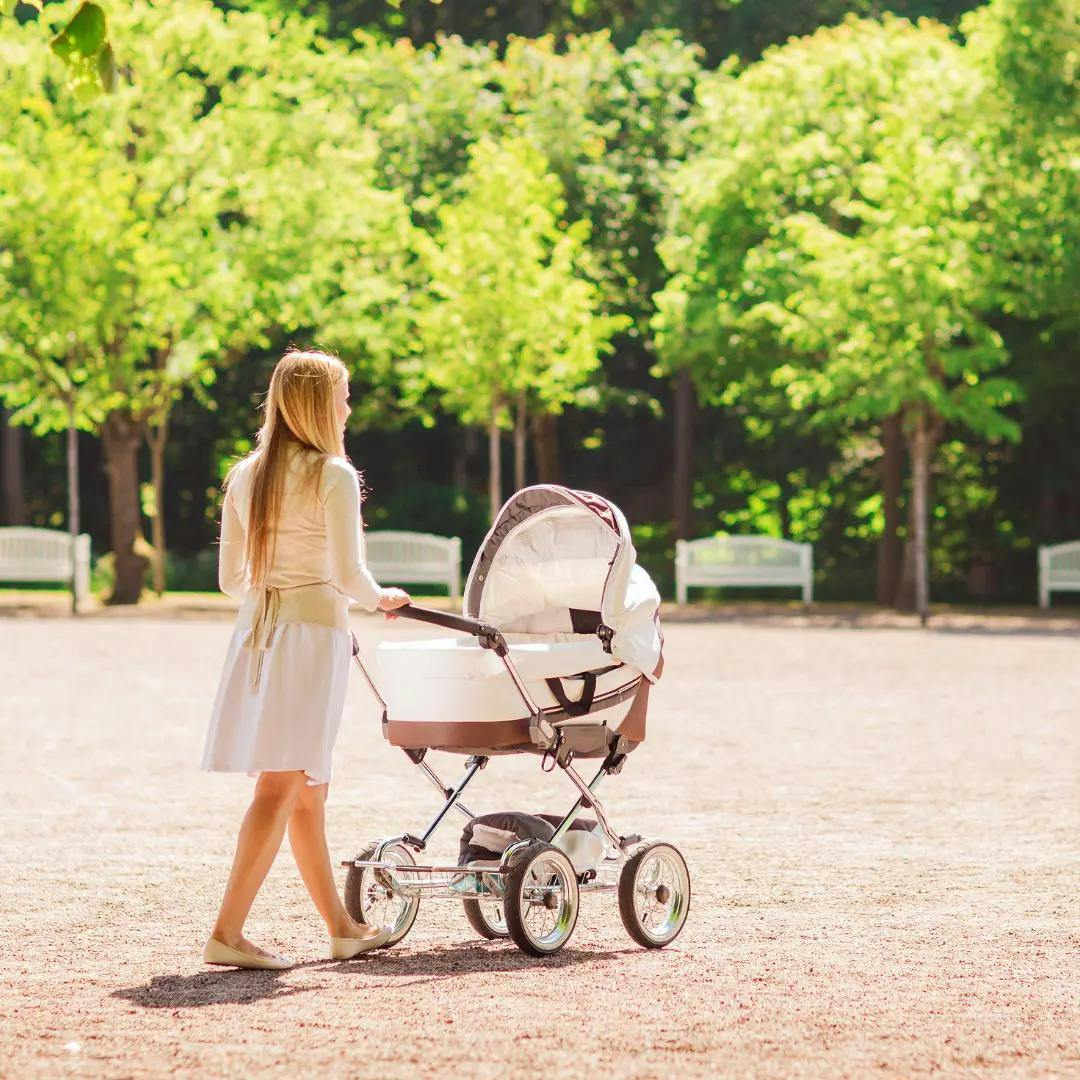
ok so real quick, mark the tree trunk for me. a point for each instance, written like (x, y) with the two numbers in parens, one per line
(121, 436)
(915, 587)
(889, 554)
(520, 421)
(494, 466)
(11, 471)
(74, 508)
(459, 468)
(545, 440)
(685, 404)
(156, 438)
(533, 18)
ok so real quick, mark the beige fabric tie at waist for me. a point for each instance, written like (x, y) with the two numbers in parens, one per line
(318, 603)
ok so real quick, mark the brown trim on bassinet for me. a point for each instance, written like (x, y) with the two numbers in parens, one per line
(502, 734)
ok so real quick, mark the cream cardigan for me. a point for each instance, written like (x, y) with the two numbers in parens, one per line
(319, 533)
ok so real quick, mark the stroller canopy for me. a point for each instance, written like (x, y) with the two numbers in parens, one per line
(559, 561)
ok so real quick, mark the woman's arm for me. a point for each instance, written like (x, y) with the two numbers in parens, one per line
(231, 549)
(344, 534)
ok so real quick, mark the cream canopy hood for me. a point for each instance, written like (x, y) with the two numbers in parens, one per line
(559, 561)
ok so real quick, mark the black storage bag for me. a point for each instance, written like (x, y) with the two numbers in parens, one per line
(498, 831)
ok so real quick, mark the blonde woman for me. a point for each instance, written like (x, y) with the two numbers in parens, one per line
(292, 551)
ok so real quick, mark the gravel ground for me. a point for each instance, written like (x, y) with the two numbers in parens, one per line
(882, 824)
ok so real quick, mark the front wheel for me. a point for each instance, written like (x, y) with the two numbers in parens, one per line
(369, 900)
(541, 900)
(654, 895)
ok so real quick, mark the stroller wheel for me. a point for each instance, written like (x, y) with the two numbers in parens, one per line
(541, 901)
(654, 895)
(487, 918)
(369, 901)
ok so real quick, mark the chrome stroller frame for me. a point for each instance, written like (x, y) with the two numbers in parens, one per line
(531, 893)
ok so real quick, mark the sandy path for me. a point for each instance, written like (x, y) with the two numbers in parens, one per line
(883, 827)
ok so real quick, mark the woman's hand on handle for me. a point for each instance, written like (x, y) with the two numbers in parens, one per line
(392, 599)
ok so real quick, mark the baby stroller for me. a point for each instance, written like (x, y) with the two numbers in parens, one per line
(564, 644)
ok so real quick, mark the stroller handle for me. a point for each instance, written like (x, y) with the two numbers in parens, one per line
(489, 636)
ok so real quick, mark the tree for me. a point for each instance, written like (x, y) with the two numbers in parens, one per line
(830, 235)
(610, 124)
(607, 122)
(511, 326)
(142, 275)
(1028, 131)
(60, 200)
(219, 186)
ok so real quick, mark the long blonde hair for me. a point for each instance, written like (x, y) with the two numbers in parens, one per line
(299, 414)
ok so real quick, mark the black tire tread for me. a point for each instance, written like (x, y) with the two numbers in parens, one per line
(475, 915)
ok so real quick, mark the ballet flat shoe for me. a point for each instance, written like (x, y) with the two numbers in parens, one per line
(217, 952)
(345, 948)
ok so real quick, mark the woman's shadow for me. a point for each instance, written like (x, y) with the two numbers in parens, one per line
(239, 987)
(234, 986)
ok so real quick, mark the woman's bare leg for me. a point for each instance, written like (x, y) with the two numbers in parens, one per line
(259, 841)
(307, 837)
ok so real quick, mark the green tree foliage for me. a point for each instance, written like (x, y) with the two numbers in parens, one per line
(224, 194)
(512, 325)
(81, 39)
(1029, 133)
(1029, 128)
(867, 231)
(829, 236)
(608, 124)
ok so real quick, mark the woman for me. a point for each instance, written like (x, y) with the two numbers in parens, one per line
(292, 551)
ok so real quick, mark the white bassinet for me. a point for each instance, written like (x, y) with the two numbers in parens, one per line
(578, 639)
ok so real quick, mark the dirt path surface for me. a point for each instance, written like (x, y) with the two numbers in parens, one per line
(883, 828)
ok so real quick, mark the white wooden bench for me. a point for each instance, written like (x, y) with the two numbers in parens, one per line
(45, 555)
(743, 561)
(412, 558)
(1059, 570)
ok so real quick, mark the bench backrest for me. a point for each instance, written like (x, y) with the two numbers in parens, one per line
(28, 554)
(743, 560)
(735, 553)
(416, 558)
(1061, 559)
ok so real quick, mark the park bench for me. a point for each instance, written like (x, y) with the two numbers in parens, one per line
(743, 561)
(412, 558)
(1059, 570)
(28, 554)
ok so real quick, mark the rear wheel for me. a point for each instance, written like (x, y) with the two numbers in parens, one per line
(370, 900)
(654, 895)
(541, 901)
(487, 918)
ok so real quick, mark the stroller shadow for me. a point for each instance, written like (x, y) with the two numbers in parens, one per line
(467, 958)
(234, 986)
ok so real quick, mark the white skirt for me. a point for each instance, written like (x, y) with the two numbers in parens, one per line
(291, 720)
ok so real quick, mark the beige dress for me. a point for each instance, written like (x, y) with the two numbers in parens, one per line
(282, 690)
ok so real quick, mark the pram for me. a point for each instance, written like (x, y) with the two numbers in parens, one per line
(564, 644)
